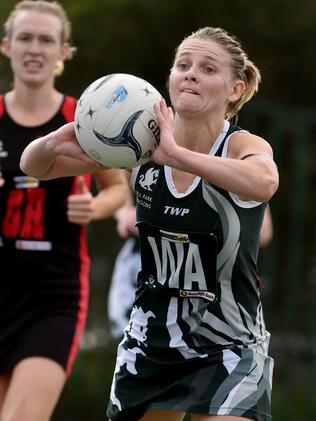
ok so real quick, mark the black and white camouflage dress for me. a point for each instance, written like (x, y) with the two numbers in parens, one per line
(196, 341)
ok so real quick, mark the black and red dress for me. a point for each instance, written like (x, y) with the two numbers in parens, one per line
(44, 261)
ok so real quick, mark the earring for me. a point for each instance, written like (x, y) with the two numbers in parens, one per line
(59, 68)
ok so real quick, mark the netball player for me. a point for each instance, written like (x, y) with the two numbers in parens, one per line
(44, 271)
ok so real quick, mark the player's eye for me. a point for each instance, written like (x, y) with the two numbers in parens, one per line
(208, 69)
(182, 66)
(23, 37)
(47, 40)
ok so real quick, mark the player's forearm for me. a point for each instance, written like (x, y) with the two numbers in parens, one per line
(108, 201)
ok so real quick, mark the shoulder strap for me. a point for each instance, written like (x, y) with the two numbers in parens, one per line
(232, 128)
(68, 108)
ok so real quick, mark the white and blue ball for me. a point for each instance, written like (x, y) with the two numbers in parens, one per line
(115, 122)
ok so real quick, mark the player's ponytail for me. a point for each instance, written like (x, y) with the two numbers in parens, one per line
(252, 78)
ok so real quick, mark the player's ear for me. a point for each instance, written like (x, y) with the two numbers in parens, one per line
(64, 55)
(5, 47)
(237, 90)
(66, 52)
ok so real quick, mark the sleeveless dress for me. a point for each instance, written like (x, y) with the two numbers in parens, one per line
(44, 258)
(196, 341)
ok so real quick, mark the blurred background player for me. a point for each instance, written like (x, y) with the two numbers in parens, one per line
(124, 277)
(43, 251)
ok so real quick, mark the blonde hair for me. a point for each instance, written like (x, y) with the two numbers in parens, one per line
(242, 68)
(42, 6)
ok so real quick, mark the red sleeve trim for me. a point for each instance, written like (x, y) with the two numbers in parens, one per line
(68, 108)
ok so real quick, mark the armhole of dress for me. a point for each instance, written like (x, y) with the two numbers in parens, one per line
(225, 147)
(68, 108)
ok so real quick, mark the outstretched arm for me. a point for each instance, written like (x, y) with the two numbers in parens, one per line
(57, 154)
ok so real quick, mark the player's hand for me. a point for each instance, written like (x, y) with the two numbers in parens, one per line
(126, 220)
(65, 143)
(2, 181)
(167, 146)
(80, 205)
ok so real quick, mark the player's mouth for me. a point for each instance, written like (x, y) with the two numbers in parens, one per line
(33, 64)
(189, 91)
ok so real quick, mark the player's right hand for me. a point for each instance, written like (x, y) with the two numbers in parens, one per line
(126, 221)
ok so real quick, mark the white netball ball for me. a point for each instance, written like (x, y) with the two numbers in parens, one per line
(115, 123)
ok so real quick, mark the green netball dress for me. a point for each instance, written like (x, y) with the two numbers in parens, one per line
(196, 341)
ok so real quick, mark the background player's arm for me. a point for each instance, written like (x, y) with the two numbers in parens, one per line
(126, 214)
(83, 207)
(1, 179)
(266, 232)
(113, 189)
(126, 221)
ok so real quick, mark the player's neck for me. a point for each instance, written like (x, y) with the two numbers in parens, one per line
(32, 107)
(197, 135)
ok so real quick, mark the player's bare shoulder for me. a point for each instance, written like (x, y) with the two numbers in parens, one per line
(243, 143)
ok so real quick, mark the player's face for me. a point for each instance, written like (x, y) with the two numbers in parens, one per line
(35, 46)
(201, 80)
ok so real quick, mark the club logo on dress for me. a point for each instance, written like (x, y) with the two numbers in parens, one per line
(150, 178)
